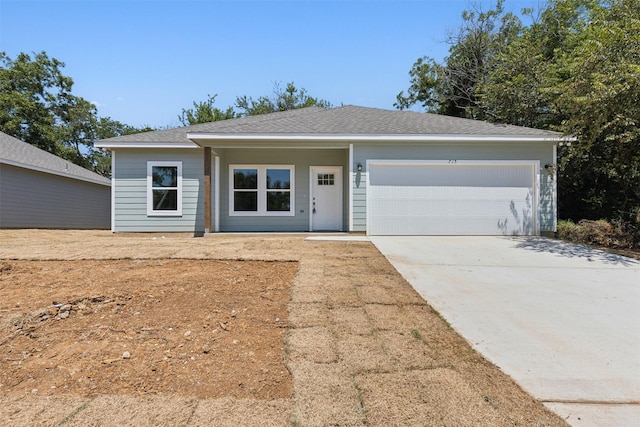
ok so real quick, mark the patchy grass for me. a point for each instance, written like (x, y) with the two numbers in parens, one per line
(361, 346)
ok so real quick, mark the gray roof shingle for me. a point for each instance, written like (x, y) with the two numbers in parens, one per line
(19, 153)
(346, 120)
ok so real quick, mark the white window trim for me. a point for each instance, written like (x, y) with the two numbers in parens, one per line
(150, 210)
(262, 190)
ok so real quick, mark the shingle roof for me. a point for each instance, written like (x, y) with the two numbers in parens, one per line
(347, 120)
(18, 153)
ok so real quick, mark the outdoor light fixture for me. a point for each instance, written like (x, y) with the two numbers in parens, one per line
(359, 167)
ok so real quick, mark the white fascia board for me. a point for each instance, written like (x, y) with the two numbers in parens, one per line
(112, 145)
(348, 138)
(453, 163)
(54, 172)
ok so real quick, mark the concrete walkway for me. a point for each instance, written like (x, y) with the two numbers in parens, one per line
(562, 320)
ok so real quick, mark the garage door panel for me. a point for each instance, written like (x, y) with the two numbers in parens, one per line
(448, 175)
(502, 205)
(469, 207)
(447, 226)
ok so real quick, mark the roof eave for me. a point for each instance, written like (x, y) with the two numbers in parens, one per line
(122, 144)
(199, 138)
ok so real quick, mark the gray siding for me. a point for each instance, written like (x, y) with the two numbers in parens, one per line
(303, 160)
(31, 199)
(130, 191)
(496, 151)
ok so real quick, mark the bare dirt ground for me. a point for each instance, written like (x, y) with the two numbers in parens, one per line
(102, 329)
(189, 328)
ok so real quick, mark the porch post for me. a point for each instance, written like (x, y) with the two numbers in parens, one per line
(207, 190)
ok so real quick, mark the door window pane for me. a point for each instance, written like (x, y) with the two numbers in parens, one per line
(326, 179)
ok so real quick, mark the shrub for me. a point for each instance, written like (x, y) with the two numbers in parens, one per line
(616, 234)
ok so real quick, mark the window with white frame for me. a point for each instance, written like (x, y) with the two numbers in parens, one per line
(164, 188)
(261, 190)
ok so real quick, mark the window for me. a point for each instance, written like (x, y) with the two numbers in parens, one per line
(326, 179)
(164, 188)
(261, 190)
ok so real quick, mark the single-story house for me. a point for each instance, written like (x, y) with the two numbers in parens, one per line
(350, 168)
(40, 190)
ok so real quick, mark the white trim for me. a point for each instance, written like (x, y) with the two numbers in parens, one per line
(216, 208)
(113, 193)
(54, 172)
(150, 210)
(145, 145)
(367, 197)
(375, 137)
(555, 187)
(536, 197)
(310, 207)
(351, 181)
(262, 190)
(534, 164)
(451, 162)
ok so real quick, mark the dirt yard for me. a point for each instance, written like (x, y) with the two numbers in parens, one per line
(190, 328)
(97, 329)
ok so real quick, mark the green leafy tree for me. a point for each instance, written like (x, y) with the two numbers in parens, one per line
(600, 173)
(106, 127)
(205, 112)
(522, 88)
(37, 106)
(34, 94)
(575, 69)
(452, 88)
(290, 98)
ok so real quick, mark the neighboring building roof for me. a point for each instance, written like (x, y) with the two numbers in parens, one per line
(347, 120)
(21, 154)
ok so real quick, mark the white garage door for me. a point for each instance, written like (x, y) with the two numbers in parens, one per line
(451, 198)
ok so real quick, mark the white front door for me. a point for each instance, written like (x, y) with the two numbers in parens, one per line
(326, 198)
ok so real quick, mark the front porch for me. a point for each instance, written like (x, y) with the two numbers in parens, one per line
(241, 193)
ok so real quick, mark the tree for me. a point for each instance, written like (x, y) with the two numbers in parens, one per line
(106, 127)
(575, 69)
(451, 88)
(600, 174)
(37, 106)
(522, 88)
(33, 93)
(290, 98)
(205, 112)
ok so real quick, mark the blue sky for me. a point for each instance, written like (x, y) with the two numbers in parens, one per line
(142, 61)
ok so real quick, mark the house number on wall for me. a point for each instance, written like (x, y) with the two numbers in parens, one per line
(451, 162)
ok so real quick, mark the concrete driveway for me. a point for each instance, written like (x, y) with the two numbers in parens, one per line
(562, 320)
